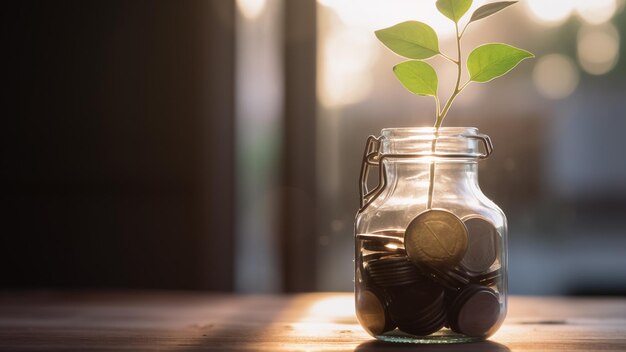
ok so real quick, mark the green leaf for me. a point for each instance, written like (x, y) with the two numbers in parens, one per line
(454, 9)
(411, 39)
(490, 61)
(418, 77)
(490, 9)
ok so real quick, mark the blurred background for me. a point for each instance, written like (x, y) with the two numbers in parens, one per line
(215, 145)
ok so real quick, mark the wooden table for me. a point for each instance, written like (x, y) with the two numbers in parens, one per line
(138, 321)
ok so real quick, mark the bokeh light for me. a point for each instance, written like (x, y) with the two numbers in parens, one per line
(555, 12)
(251, 8)
(596, 11)
(598, 48)
(550, 12)
(555, 76)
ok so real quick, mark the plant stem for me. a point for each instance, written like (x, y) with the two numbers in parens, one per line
(458, 88)
(441, 114)
(464, 29)
(431, 173)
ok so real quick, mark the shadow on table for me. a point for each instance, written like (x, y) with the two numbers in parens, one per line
(380, 346)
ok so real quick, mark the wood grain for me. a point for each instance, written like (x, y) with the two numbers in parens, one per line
(139, 321)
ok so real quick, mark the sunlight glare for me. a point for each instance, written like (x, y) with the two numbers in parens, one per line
(251, 9)
(328, 316)
(371, 15)
(349, 48)
(347, 58)
(336, 307)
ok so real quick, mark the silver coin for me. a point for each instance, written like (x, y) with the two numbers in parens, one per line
(483, 245)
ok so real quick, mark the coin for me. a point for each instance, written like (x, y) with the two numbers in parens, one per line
(475, 312)
(393, 270)
(372, 313)
(436, 238)
(483, 245)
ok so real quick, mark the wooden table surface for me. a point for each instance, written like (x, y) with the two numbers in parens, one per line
(139, 321)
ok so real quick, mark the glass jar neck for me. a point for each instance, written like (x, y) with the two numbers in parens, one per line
(443, 162)
(446, 142)
(459, 172)
(409, 152)
(418, 161)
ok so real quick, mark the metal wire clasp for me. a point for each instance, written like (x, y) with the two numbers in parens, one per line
(486, 143)
(371, 158)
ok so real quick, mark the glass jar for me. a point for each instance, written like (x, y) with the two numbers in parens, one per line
(431, 248)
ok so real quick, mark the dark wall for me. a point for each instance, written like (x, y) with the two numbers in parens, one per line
(116, 148)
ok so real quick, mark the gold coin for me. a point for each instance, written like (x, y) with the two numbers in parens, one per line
(436, 238)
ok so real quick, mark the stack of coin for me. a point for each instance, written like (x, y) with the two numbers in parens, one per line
(393, 270)
(419, 308)
(376, 246)
(440, 273)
